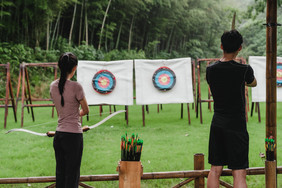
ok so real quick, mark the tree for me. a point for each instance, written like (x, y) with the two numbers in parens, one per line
(72, 23)
(3, 11)
(103, 24)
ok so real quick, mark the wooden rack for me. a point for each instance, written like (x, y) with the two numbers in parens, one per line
(9, 92)
(24, 81)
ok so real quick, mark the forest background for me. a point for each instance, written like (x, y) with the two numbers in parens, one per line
(39, 31)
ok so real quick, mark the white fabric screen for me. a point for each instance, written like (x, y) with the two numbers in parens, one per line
(258, 63)
(123, 72)
(146, 93)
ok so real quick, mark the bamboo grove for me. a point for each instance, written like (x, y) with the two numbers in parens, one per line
(188, 27)
(162, 25)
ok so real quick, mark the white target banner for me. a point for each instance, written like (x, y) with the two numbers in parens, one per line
(106, 82)
(163, 81)
(258, 63)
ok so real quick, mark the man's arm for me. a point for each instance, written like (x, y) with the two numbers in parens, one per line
(252, 84)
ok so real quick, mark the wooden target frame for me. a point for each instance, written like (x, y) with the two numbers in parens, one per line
(9, 96)
(24, 84)
(200, 100)
(160, 106)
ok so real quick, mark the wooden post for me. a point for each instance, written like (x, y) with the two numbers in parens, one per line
(7, 96)
(233, 21)
(181, 111)
(126, 113)
(29, 92)
(23, 91)
(270, 174)
(130, 173)
(271, 68)
(194, 83)
(199, 164)
(199, 92)
(188, 111)
(143, 115)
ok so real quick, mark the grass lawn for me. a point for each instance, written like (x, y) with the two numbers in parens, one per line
(169, 144)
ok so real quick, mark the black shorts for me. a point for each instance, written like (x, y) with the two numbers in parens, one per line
(229, 147)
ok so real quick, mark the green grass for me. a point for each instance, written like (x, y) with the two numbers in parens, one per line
(169, 144)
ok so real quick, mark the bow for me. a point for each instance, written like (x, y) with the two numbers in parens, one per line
(85, 128)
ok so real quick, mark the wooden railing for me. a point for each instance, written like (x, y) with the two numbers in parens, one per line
(192, 175)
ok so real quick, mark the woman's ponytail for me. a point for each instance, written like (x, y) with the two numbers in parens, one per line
(67, 62)
(62, 82)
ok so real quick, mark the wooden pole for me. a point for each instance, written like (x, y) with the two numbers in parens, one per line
(199, 164)
(23, 90)
(271, 55)
(270, 174)
(11, 93)
(29, 92)
(143, 115)
(233, 21)
(188, 111)
(181, 111)
(126, 113)
(18, 88)
(7, 95)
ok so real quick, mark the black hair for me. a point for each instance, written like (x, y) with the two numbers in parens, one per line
(231, 41)
(66, 63)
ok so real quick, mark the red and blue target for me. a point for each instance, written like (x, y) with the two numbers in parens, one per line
(279, 74)
(164, 79)
(104, 82)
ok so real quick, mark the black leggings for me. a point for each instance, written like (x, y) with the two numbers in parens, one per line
(68, 151)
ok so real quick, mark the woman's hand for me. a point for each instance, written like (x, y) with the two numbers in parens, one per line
(85, 128)
(50, 133)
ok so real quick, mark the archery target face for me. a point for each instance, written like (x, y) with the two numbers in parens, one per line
(164, 79)
(279, 74)
(104, 82)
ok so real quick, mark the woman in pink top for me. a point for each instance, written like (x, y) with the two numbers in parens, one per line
(68, 96)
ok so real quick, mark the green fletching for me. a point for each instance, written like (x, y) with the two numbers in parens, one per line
(131, 147)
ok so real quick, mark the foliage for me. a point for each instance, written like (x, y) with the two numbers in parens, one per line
(134, 24)
(253, 32)
(3, 13)
(151, 49)
(18, 53)
(124, 54)
(258, 6)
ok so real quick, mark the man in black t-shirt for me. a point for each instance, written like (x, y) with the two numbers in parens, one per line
(229, 139)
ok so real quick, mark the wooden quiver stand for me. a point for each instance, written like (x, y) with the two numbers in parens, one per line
(130, 173)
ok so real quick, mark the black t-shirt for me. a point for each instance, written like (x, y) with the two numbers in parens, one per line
(227, 83)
